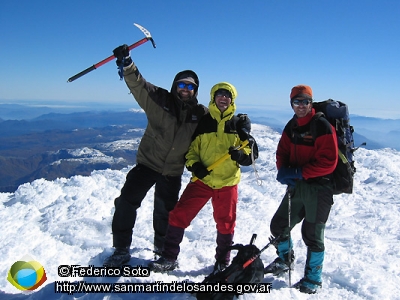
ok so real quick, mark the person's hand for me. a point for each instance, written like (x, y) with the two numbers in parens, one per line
(199, 170)
(289, 175)
(236, 155)
(243, 127)
(121, 53)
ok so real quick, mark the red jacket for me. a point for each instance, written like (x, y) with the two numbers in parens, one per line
(317, 156)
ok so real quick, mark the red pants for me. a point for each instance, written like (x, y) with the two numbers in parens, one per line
(193, 199)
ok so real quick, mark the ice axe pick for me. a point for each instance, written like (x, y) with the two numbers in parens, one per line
(106, 60)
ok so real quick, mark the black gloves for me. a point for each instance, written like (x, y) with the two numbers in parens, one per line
(199, 170)
(241, 157)
(122, 55)
(236, 155)
(243, 127)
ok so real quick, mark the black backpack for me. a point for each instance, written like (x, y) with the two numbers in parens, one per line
(337, 114)
(246, 267)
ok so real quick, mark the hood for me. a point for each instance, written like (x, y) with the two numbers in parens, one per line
(226, 86)
(213, 107)
(184, 74)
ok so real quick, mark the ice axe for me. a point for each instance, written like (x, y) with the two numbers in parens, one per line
(104, 61)
(221, 159)
(272, 241)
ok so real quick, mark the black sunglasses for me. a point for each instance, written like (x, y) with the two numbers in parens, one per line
(223, 93)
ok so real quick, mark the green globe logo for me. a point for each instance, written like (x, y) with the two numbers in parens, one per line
(26, 274)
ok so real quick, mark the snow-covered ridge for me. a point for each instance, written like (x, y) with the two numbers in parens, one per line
(86, 156)
(131, 144)
(136, 110)
(68, 222)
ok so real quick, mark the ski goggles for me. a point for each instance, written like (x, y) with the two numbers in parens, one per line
(182, 85)
(297, 102)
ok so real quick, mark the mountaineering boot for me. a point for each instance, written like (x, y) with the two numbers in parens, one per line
(279, 266)
(219, 266)
(282, 263)
(118, 258)
(312, 279)
(307, 286)
(163, 264)
(169, 256)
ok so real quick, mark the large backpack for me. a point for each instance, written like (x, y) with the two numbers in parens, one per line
(337, 113)
(246, 267)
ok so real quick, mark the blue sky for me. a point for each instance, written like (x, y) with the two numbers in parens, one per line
(346, 50)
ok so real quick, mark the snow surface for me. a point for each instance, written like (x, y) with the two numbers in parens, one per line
(68, 222)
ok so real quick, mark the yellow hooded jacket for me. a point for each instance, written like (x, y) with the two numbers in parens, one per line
(214, 135)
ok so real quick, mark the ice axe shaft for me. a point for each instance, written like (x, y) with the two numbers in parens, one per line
(106, 60)
(220, 160)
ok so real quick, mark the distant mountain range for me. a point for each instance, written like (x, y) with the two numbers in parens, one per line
(55, 144)
(62, 145)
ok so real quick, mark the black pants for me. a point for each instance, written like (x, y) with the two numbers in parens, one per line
(138, 182)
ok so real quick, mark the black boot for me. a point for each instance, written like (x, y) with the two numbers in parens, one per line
(312, 280)
(280, 266)
(307, 286)
(219, 266)
(120, 257)
(169, 255)
(163, 265)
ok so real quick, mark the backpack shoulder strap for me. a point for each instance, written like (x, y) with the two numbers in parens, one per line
(313, 125)
(318, 115)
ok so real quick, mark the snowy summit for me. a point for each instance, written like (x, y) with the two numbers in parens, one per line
(68, 222)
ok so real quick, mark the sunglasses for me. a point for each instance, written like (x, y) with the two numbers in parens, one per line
(182, 85)
(223, 94)
(297, 102)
